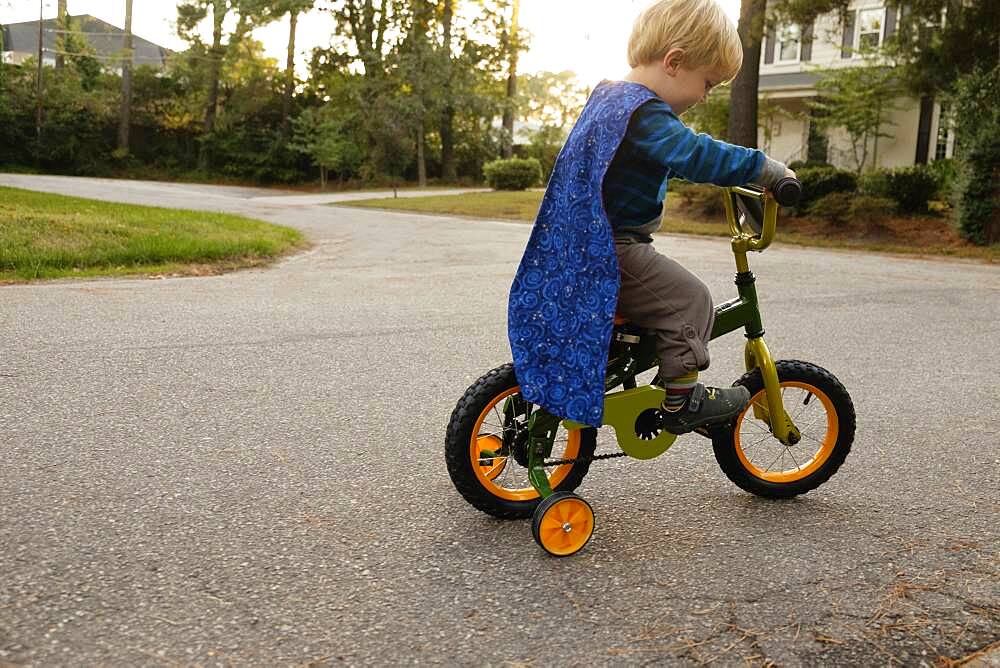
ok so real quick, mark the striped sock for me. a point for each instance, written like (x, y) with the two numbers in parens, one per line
(678, 390)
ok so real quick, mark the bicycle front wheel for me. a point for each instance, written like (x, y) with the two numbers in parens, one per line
(821, 409)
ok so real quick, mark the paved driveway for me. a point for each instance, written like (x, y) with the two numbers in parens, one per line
(248, 469)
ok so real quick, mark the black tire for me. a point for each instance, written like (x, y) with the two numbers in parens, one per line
(492, 496)
(831, 441)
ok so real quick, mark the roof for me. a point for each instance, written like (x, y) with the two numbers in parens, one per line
(104, 38)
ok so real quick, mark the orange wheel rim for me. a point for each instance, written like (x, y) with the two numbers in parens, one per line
(489, 473)
(490, 466)
(566, 526)
(764, 457)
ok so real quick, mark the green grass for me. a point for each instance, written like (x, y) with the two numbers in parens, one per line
(523, 206)
(52, 236)
(503, 205)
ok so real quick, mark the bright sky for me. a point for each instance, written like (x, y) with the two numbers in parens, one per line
(585, 36)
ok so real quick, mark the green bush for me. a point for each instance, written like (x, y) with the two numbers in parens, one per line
(513, 174)
(874, 183)
(946, 173)
(796, 165)
(817, 182)
(834, 207)
(870, 211)
(910, 187)
(978, 133)
(699, 198)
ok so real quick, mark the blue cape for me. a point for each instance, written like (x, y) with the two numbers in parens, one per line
(562, 303)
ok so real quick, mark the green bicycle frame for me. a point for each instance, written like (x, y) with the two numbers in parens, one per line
(638, 354)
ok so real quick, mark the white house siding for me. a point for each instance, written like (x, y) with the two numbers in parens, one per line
(789, 83)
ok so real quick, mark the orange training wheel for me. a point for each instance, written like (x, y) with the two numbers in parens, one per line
(563, 524)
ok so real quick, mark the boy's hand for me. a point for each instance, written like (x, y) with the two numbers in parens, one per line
(790, 174)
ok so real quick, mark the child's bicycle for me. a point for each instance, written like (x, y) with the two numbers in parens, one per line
(513, 460)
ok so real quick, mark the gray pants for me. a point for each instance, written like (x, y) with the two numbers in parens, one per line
(657, 293)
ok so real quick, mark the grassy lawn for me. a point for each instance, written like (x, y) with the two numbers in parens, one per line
(52, 236)
(926, 235)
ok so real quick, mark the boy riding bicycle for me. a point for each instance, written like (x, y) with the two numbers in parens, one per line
(590, 251)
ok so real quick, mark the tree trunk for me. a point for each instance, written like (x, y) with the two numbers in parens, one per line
(508, 113)
(214, 72)
(742, 127)
(448, 168)
(322, 177)
(286, 102)
(38, 88)
(421, 158)
(61, 24)
(125, 118)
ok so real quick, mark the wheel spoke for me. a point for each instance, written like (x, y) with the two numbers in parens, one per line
(813, 439)
(792, 455)
(773, 463)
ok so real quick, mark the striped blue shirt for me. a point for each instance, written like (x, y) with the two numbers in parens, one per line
(657, 147)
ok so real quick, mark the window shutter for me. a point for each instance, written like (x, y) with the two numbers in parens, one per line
(924, 130)
(890, 20)
(807, 43)
(769, 46)
(847, 46)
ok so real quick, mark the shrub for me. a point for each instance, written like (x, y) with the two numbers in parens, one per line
(910, 187)
(699, 198)
(946, 173)
(978, 132)
(818, 182)
(870, 211)
(874, 183)
(834, 207)
(796, 165)
(513, 174)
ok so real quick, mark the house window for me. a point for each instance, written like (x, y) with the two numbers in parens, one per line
(789, 41)
(870, 22)
(944, 134)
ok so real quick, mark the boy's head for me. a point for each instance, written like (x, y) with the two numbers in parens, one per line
(693, 38)
(699, 27)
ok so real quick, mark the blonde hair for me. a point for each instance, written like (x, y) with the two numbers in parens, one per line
(700, 27)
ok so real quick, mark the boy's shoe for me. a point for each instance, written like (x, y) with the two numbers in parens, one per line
(705, 406)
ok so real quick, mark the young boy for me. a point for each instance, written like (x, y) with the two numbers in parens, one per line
(590, 249)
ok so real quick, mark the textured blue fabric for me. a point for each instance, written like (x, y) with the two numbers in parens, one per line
(562, 303)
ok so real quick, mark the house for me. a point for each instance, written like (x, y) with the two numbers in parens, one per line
(791, 58)
(20, 42)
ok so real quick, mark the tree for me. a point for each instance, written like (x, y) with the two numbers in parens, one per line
(448, 171)
(549, 103)
(325, 136)
(978, 129)
(513, 44)
(126, 107)
(938, 42)
(62, 25)
(249, 14)
(742, 124)
(293, 8)
(858, 99)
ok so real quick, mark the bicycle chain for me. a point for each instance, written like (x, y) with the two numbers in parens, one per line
(560, 462)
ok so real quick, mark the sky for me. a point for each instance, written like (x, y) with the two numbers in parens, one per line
(584, 36)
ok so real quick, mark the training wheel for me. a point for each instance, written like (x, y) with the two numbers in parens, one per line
(563, 524)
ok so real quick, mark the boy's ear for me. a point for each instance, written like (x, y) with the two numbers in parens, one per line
(672, 61)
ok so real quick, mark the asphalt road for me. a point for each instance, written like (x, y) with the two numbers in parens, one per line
(248, 468)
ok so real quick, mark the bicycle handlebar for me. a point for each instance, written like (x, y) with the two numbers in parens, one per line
(787, 191)
(757, 209)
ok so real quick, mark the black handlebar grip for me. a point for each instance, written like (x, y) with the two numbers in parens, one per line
(787, 191)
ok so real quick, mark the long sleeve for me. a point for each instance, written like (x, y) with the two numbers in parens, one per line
(661, 138)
